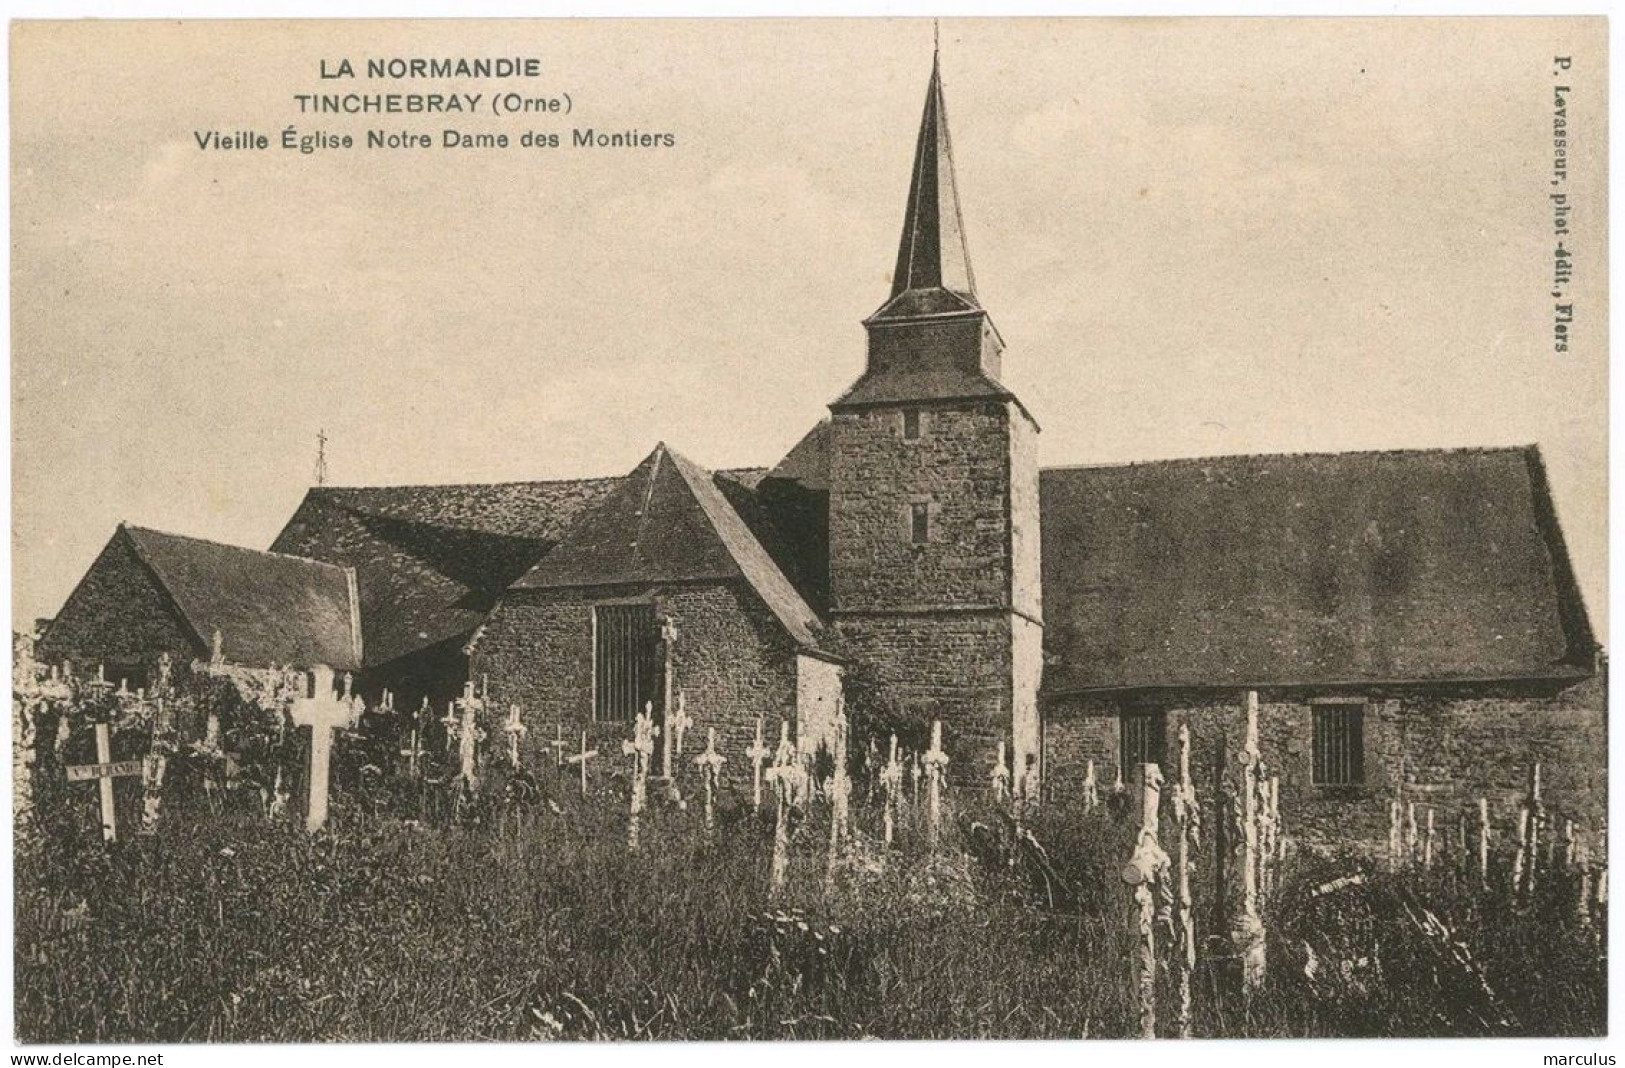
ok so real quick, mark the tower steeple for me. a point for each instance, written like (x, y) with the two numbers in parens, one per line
(933, 274)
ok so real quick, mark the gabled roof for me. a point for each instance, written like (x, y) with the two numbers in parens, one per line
(669, 522)
(431, 561)
(807, 462)
(1308, 569)
(933, 274)
(268, 608)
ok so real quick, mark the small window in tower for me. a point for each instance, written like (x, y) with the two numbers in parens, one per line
(911, 424)
(919, 522)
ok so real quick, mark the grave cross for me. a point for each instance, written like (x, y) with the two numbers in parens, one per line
(710, 763)
(323, 712)
(414, 750)
(758, 753)
(582, 758)
(449, 721)
(680, 723)
(640, 747)
(891, 780)
(936, 764)
(785, 776)
(468, 735)
(516, 730)
(104, 771)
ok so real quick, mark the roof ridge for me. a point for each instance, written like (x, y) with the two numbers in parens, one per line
(228, 545)
(327, 490)
(1447, 450)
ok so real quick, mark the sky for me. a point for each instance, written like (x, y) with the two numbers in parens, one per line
(1197, 237)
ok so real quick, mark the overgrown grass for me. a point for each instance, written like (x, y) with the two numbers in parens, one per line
(541, 924)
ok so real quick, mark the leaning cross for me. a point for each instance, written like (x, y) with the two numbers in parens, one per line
(710, 763)
(104, 770)
(582, 758)
(758, 753)
(322, 712)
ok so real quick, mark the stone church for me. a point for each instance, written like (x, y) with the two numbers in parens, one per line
(1409, 619)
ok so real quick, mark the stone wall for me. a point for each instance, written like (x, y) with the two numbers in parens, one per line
(120, 617)
(951, 666)
(959, 468)
(1441, 749)
(733, 664)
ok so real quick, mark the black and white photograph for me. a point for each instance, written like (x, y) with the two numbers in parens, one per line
(809, 528)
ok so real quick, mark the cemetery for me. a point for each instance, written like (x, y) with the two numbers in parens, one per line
(235, 855)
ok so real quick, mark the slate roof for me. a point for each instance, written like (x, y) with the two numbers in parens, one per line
(269, 609)
(1315, 569)
(939, 383)
(431, 561)
(669, 521)
(807, 462)
(933, 273)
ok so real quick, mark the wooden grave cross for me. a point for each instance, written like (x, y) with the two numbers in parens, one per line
(104, 771)
(581, 758)
(758, 754)
(323, 712)
(710, 763)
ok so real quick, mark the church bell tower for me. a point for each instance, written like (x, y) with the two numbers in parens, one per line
(933, 508)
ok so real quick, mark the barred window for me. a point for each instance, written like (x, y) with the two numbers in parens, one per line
(1142, 738)
(626, 664)
(1339, 744)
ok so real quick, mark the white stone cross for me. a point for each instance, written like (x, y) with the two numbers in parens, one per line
(581, 758)
(468, 735)
(914, 773)
(936, 763)
(758, 754)
(891, 781)
(414, 751)
(1091, 789)
(679, 722)
(449, 721)
(322, 712)
(639, 747)
(710, 763)
(785, 776)
(516, 729)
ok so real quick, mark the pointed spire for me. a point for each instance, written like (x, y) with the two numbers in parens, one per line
(932, 255)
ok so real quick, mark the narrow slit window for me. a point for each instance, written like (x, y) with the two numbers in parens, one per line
(911, 424)
(919, 523)
(1339, 744)
(625, 660)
